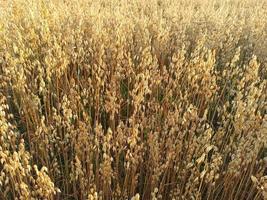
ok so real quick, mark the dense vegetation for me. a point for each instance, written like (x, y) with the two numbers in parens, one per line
(145, 99)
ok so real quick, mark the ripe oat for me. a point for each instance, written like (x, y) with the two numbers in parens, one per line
(117, 99)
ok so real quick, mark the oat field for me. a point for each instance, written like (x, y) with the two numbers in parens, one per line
(133, 99)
